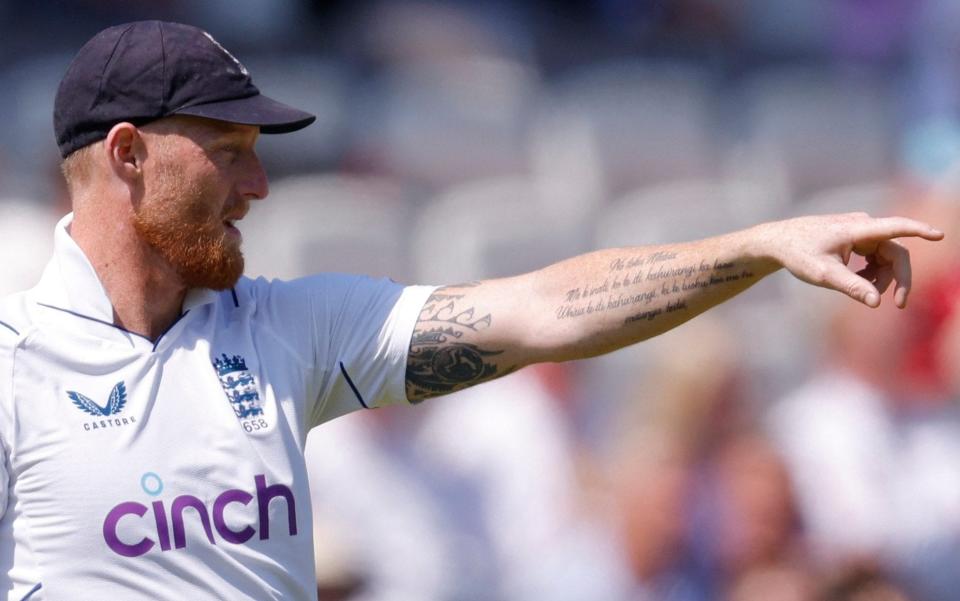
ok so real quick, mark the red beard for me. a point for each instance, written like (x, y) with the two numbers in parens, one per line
(193, 240)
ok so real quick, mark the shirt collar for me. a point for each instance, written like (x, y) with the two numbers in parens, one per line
(70, 282)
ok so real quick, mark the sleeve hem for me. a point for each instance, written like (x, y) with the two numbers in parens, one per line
(402, 320)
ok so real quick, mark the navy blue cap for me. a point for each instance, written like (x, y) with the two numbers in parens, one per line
(143, 71)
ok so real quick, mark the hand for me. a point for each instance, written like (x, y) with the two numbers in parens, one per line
(817, 249)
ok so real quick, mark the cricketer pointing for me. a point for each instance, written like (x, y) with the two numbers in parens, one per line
(154, 402)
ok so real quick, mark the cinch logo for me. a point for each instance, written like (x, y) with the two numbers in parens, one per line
(115, 404)
(162, 518)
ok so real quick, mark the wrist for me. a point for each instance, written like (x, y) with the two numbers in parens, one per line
(760, 244)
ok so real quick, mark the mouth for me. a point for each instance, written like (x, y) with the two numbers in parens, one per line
(237, 213)
(231, 227)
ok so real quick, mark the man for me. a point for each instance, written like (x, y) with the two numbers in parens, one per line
(154, 403)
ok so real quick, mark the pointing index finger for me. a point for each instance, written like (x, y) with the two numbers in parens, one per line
(886, 228)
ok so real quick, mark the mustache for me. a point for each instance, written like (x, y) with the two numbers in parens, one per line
(236, 211)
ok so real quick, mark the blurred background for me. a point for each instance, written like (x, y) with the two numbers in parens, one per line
(789, 445)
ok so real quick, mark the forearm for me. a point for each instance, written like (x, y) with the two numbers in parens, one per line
(580, 307)
(605, 300)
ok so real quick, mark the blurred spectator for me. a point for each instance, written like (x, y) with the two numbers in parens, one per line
(777, 583)
(706, 507)
(464, 499)
(651, 490)
(862, 582)
(757, 524)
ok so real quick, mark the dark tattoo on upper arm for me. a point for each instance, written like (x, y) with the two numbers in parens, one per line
(441, 358)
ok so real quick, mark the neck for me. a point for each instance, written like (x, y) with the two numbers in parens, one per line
(145, 291)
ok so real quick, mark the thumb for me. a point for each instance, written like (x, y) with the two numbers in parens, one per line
(838, 277)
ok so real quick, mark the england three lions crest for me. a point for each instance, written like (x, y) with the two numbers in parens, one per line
(239, 385)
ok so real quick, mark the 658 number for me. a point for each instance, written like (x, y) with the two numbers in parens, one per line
(254, 424)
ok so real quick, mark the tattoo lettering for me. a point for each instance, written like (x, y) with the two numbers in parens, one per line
(653, 313)
(641, 280)
(441, 360)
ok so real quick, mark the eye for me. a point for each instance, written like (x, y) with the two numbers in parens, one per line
(230, 153)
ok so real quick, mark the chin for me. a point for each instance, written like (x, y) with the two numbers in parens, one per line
(215, 275)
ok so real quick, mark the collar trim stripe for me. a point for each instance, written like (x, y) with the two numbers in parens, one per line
(112, 325)
(10, 327)
(175, 322)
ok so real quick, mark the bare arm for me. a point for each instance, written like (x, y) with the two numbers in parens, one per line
(602, 301)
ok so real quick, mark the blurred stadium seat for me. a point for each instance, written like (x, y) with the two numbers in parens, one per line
(321, 223)
(785, 27)
(491, 228)
(26, 229)
(450, 121)
(686, 210)
(27, 143)
(818, 130)
(650, 122)
(874, 198)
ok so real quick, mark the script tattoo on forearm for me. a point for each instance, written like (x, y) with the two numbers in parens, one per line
(641, 280)
(441, 358)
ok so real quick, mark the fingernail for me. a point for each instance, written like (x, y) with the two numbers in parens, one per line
(872, 299)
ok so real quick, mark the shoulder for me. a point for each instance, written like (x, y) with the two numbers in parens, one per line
(321, 287)
(327, 281)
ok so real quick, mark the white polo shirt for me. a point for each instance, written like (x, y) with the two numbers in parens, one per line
(140, 470)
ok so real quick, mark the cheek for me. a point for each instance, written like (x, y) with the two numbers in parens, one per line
(191, 194)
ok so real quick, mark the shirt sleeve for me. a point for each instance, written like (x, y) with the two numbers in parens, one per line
(367, 333)
(353, 331)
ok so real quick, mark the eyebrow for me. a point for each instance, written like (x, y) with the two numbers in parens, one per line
(230, 134)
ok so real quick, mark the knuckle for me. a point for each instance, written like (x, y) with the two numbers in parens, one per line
(820, 275)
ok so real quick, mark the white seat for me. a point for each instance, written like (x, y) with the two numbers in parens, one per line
(326, 223)
(450, 121)
(648, 122)
(818, 131)
(491, 228)
(29, 88)
(686, 210)
(874, 198)
(26, 242)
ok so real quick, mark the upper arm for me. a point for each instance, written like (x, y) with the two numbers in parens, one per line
(465, 335)
(354, 334)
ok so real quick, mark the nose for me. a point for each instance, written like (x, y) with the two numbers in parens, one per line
(253, 179)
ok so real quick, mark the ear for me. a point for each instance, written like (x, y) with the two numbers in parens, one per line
(125, 151)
